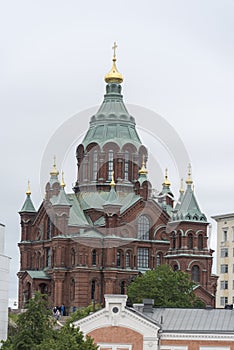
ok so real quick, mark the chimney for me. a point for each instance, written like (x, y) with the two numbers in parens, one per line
(148, 305)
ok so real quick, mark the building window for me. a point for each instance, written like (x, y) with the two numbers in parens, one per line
(159, 259)
(196, 273)
(179, 240)
(224, 252)
(190, 241)
(173, 240)
(95, 165)
(126, 165)
(223, 301)
(110, 164)
(224, 268)
(225, 235)
(93, 287)
(48, 257)
(118, 259)
(175, 267)
(143, 227)
(143, 257)
(94, 257)
(72, 289)
(122, 287)
(223, 284)
(49, 228)
(73, 257)
(200, 242)
(127, 259)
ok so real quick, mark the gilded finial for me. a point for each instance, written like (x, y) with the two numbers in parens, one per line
(182, 186)
(143, 170)
(166, 182)
(62, 182)
(54, 171)
(114, 76)
(28, 192)
(112, 179)
(189, 180)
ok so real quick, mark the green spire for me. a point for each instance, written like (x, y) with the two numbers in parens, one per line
(61, 199)
(28, 204)
(188, 209)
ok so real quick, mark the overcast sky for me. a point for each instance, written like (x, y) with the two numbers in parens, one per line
(177, 60)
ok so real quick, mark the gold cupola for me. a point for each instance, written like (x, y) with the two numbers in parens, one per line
(189, 180)
(114, 76)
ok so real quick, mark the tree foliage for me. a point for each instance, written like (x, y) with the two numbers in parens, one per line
(36, 331)
(168, 288)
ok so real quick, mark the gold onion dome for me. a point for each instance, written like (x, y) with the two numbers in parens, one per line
(143, 170)
(28, 192)
(189, 180)
(114, 76)
(166, 182)
(54, 171)
(181, 186)
(62, 182)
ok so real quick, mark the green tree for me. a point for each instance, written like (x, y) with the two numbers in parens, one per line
(167, 287)
(36, 331)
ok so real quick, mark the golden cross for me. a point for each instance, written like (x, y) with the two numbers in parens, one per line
(114, 48)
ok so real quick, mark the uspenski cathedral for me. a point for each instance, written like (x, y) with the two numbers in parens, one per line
(78, 246)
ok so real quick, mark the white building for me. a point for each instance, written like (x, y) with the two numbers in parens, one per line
(225, 259)
(4, 280)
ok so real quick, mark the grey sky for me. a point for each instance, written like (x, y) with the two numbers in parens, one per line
(177, 60)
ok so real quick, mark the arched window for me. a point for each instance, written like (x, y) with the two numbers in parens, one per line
(143, 227)
(73, 257)
(118, 259)
(173, 240)
(95, 165)
(122, 287)
(175, 267)
(190, 241)
(179, 240)
(126, 165)
(127, 259)
(159, 259)
(110, 164)
(94, 257)
(200, 242)
(93, 287)
(196, 273)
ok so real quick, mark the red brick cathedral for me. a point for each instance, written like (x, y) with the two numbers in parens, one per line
(79, 246)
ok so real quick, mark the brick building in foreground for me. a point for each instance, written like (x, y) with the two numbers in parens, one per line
(117, 327)
(79, 246)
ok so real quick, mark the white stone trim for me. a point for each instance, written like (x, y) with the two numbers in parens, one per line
(198, 336)
(114, 346)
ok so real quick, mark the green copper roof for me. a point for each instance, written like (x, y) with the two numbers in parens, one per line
(61, 199)
(38, 274)
(112, 122)
(189, 209)
(76, 217)
(28, 205)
